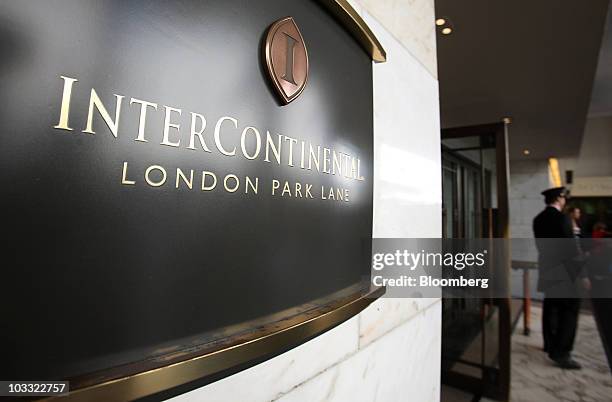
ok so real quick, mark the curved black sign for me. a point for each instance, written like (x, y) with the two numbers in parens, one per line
(155, 192)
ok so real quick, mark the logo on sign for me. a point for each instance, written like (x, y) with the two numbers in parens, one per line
(287, 59)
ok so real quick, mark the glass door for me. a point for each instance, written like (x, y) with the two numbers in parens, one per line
(476, 331)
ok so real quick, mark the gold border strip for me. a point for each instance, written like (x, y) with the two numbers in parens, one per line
(353, 22)
(165, 378)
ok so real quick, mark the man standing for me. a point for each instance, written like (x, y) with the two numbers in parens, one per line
(558, 269)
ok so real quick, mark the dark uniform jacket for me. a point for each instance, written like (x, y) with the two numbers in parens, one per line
(559, 254)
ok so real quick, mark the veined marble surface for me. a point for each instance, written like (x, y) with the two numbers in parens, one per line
(407, 167)
(535, 378)
(385, 314)
(412, 23)
(273, 378)
(404, 365)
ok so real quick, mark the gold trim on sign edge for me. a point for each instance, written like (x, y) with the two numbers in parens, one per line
(353, 22)
(165, 378)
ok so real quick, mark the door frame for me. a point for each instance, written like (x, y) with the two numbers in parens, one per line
(494, 383)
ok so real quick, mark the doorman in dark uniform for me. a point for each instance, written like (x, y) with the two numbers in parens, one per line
(559, 268)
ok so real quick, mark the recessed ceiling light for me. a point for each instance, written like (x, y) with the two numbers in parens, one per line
(526, 152)
(447, 31)
(440, 21)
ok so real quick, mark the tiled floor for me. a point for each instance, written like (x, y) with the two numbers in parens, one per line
(535, 378)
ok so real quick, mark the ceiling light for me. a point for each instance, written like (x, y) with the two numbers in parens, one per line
(553, 172)
(447, 31)
(526, 152)
(440, 21)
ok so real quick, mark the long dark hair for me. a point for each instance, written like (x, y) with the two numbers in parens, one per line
(570, 213)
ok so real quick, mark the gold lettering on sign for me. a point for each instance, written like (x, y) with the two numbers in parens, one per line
(326, 160)
(359, 176)
(291, 142)
(180, 175)
(236, 183)
(218, 135)
(316, 158)
(336, 162)
(142, 120)
(254, 186)
(303, 156)
(335, 194)
(226, 137)
(124, 179)
(276, 148)
(257, 141)
(286, 189)
(95, 102)
(65, 108)
(197, 133)
(157, 183)
(279, 147)
(168, 125)
(214, 181)
(308, 193)
(157, 176)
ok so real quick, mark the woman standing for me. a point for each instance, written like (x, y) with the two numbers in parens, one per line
(574, 215)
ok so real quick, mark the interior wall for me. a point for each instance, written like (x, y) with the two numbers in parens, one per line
(595, 155)
(391, 351)
(528, 178)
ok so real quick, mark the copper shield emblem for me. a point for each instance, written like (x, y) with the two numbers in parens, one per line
(287, 59)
